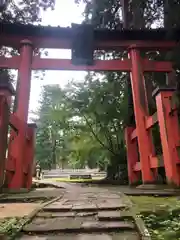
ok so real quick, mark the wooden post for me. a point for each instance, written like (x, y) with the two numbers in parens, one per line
(6, 91)
(29, 155)
(141, 112)
(169, 132)
(132, 156)
(17, 147)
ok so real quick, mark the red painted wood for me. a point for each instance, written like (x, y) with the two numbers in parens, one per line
(100, 65)
(17, 149)
(169, 132)
(132, 156)
(51, 42)
(21, 148)
(141, 112)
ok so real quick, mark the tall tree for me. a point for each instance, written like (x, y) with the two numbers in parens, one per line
(26, 12)
(101, 100)
(52, 125)
(64, 132)
(139, 14)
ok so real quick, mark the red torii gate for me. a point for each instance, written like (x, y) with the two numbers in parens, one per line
(18, 165)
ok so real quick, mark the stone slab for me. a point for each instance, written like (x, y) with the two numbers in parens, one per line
(113, 215)
(3, 237)
(85, 214)
(94, 236)
(111, 196)
(110, 205)
(59, 206)
(126, 236)
(34, 238)
(80, 203)
(55, 214)
(120, 225)
(55, 224)
(84, 207)
(71, 225)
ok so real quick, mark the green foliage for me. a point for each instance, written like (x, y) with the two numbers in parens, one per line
(43, 147)
(85, 121)
(10, 226)
(27, 12)
(102, 101)
(63, 137)
(164, 226)
(52, 127)
(108, 109)
(160, 214)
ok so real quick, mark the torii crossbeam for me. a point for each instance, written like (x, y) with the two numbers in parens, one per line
(27, 38)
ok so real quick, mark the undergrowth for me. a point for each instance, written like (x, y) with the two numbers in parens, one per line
(164, 226)
(161, 216)
(10, 226)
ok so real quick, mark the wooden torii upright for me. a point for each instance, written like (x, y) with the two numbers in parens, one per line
(16, 169)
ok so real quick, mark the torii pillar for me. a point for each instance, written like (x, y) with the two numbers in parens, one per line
(17, 147)
(141, 112)
(6, 91)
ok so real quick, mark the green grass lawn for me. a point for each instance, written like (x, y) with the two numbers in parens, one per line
(145, 204)
(161, 216)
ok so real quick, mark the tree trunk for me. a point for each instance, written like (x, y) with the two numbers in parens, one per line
(131, 117)
(117, 169)
(54, 155)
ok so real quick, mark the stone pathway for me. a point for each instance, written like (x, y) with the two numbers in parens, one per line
(84, 214)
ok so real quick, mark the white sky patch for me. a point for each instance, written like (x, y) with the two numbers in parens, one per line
(65, 13)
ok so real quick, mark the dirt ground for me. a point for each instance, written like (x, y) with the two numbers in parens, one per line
(17, 209)
(21, 205)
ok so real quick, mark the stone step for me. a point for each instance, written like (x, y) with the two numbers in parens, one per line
(85, 214)
(74, 225)
(114, 215)
(93, 236)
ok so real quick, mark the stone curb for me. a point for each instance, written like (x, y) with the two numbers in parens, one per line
(143, 231)
(33, 214)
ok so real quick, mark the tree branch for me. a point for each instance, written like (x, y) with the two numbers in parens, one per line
(106, 132)
(117, 137)
(96, 137)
